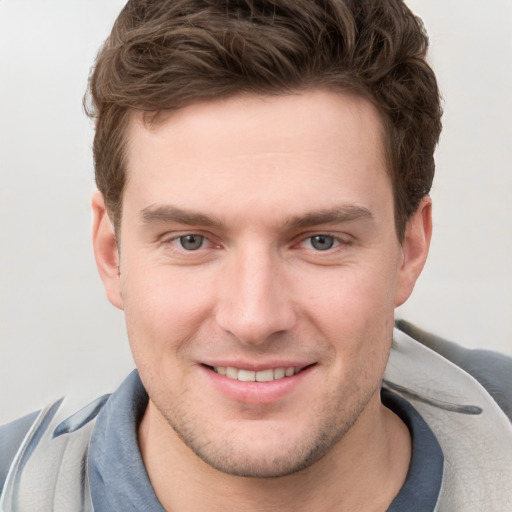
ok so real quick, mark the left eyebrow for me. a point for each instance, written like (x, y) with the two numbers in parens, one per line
(339, 215)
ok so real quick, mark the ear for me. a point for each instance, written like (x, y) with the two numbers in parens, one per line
(106, 250)
(415, 246)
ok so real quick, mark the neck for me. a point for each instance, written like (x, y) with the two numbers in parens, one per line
(363, 471)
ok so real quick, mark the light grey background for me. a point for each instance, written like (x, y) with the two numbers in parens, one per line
(58, 333)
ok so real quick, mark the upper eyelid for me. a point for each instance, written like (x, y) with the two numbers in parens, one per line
(208, 243)
(174, 235)
(337, 239)
(341, 237)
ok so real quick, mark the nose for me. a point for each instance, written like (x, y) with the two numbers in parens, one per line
(255, 301)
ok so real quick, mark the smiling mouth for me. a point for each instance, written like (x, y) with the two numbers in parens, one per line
(267, 375)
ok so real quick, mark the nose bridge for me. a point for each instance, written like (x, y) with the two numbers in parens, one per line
(255, 301)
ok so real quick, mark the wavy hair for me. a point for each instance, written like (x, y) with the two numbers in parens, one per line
(165, 54)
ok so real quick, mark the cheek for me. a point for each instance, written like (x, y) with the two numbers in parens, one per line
(162, 310)
(355, 294)
(354, 310)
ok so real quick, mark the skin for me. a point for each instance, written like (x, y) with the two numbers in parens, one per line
(258, 177)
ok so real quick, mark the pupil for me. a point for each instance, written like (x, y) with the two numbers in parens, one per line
(322, 242)
(191, 242)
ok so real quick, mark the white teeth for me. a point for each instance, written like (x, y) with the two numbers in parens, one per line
(231, 372)
(264, 375)
(251, 376)
(279, 373)
(246, 375)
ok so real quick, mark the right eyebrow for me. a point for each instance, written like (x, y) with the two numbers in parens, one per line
(168, 214)
(341, 214)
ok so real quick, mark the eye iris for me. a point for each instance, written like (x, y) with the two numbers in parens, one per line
(191, 242)
(322, 242)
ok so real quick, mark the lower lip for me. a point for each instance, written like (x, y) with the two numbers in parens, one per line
(256, 392)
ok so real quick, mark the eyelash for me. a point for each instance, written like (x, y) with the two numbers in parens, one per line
(177, 239)
(336, 242)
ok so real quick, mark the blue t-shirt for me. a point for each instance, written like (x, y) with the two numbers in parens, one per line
(119, 481)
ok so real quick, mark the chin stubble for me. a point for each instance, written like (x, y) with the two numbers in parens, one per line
(235, 460)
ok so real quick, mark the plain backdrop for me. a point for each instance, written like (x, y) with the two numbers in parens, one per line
(60, 336)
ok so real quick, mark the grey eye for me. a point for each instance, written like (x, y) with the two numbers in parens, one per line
(191, 242)
(322, 242)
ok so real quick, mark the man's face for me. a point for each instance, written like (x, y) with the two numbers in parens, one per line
(258, 240)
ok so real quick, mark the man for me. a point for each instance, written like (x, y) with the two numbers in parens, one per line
(263, 171)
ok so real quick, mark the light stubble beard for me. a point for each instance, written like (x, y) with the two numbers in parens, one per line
(233, 458)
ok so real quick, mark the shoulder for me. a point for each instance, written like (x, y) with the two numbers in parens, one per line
(491, 369)
(52, 443)
(11, 438)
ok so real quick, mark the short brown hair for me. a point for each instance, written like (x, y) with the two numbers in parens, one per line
(165, 54)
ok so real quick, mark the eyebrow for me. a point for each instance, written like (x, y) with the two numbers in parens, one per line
(341, 214)
(168, 214)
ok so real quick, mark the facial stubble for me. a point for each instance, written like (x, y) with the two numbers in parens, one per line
(327, 428)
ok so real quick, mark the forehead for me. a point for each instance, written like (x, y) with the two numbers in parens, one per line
(316, 146)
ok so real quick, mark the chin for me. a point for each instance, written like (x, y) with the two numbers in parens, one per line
(249, 464)
(270, 452)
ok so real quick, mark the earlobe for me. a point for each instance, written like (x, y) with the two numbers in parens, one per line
(415, 248)
(106, 251)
